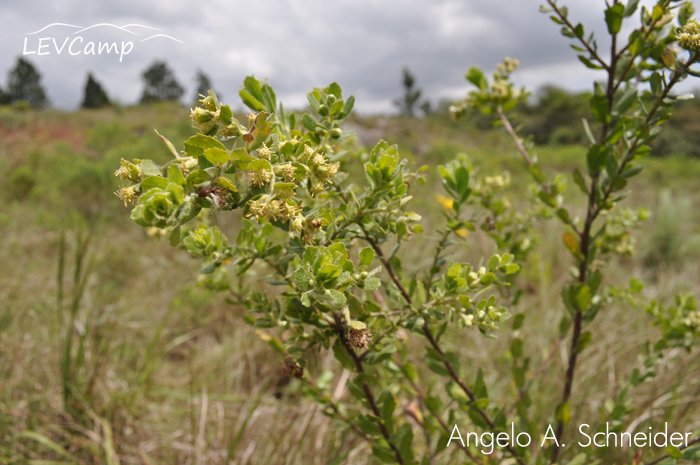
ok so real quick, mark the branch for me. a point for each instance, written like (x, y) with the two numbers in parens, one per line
(368, 392)
(665, 456)
(428, 333)
(590, 49)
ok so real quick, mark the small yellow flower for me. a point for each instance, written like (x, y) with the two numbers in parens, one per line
(462, 232)
(445, 202)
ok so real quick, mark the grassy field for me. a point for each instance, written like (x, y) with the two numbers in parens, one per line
(158, 370)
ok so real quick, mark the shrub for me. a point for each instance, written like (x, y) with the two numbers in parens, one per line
(317, 261)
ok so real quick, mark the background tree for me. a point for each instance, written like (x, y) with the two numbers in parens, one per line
(410, 101)
(161, 85)
(4, 97)
(23, 83)
(94, 96)
(203, 86)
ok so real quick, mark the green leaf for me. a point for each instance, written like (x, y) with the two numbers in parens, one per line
(580, 182)
(547, 199)
(152, 182)
(372, 284)
(563, 214)
(149, 168)
(226, 184)
(170, 145)
(630, 8)
(175, 175)
(584, 341)
(599, 107)
(476, 77)
(308, 121)
(250, 101)
(580, 296)
(338, 299)
(197, 177)
(225, 115)
(589, 64)
(261, 131)
(216, 156)
(613, 17)
(656, 83)
(563, 413)
(488, 278)
(572, 244)
(457, 393)
(340, 351)
(195, 145)
(596, 158)
(626, 101)
(175, 236)
(587, 130)
(269, 98)
(366, 256)
(349, 104)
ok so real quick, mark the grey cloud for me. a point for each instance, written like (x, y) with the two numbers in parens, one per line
(298, 44)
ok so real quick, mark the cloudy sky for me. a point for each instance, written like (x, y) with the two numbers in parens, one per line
(296, 44)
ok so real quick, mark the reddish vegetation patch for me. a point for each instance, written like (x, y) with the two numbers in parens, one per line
(41, 133)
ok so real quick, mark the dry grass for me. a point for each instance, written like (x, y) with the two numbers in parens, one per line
(163, 371)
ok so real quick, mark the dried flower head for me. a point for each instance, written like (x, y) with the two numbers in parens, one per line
(127, 195)
(254, 208)
(358, 336)
(317, 188)
(264, 152)
(186, 165)
(688, 36)
(288, 171)
(259, 177)
(292, 368)
(271, 209)
(297, 224)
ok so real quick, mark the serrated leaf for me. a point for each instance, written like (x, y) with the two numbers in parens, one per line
(195, 145)
(216, 156)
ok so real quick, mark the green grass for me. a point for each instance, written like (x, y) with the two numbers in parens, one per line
(159, 370)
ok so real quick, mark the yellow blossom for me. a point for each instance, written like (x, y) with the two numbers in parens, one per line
(445, 202)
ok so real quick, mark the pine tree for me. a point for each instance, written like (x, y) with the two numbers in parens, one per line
(203, 86)
(408, 103)
(23, 83)
(94, 96)
(161, 85)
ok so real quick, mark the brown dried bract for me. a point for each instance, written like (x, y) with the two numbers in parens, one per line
(292, 368)
(358, 338)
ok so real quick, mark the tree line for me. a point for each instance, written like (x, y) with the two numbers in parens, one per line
(24, 87)
(553, 116)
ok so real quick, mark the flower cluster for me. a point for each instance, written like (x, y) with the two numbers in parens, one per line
(688, 36)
